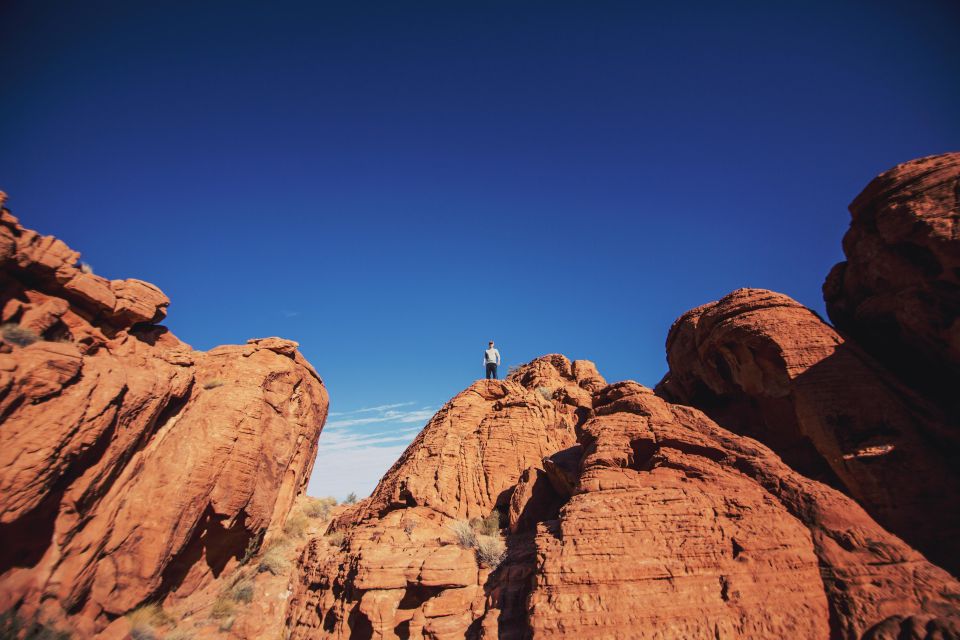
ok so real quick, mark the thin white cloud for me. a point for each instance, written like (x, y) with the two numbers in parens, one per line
(358, 447)
(340, 472)
(382, 407)
(389, 415)
(339, 441)
(287, 313)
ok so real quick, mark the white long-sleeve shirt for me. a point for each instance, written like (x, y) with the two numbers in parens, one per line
(491, 355)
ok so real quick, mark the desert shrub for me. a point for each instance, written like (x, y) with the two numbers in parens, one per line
(213, 384)
(491, 550)
(13, 626)
(318, 507)
(351, 498)
(466, 536)
(296, 525)
(274, 560)
(85, 267)
(482, 535)
(223, 608)
(178, 634)
(143, 633)
(20, 336)
(409, 526)
(488, 526)
(546, 393)
(335, 539)
(253, 545)
(146, 618)
(242, 590)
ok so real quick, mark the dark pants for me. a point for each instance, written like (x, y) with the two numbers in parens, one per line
(491, 370)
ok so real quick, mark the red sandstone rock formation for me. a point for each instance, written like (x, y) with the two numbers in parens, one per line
(645, 520)
(681, 529)
(132, 468)
(764, 366)
(400, 572)
(898, 293)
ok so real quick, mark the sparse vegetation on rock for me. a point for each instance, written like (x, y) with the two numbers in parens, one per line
(484, 536)
(14, 334)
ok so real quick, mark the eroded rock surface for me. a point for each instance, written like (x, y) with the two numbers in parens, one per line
(401, 571)
(646, 520)
(762, 365)
(898, 292)
(681, 529)
(132, 468)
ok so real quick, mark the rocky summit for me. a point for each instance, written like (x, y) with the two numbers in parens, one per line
(786, 479)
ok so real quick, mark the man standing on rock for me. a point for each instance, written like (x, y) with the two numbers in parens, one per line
(491, 358)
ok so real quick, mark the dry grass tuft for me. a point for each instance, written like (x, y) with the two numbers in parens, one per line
(274, 559)
(491, 550)
(482, 535)
(335, 539)
(242, 590)
(223, 607)
(213, 384)
(296, 525)
(144, 621)
(466, 536)
(546, 393)
(318, 508)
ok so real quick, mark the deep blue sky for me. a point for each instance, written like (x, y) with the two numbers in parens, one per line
(392, 184)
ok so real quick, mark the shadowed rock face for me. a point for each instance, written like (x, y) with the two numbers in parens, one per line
(644, 520)
(132, 468)
(898, 293)
(763, 365)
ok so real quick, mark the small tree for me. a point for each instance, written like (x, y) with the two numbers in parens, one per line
(351, 498)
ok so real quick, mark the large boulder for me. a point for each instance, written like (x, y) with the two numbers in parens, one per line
(763, 365)
(132, 468)
(898, 292)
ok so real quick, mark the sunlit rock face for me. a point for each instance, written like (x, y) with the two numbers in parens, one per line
(643, 519)
(132, 468)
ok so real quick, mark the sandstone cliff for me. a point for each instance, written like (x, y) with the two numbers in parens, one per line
(898, 292)
(644, 519)
(132, 468)
(764, 366)
(814, 496)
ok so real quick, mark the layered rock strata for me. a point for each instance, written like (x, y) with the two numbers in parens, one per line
(764, 366)
(898, 292)
(132, 468)
(643, 519)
